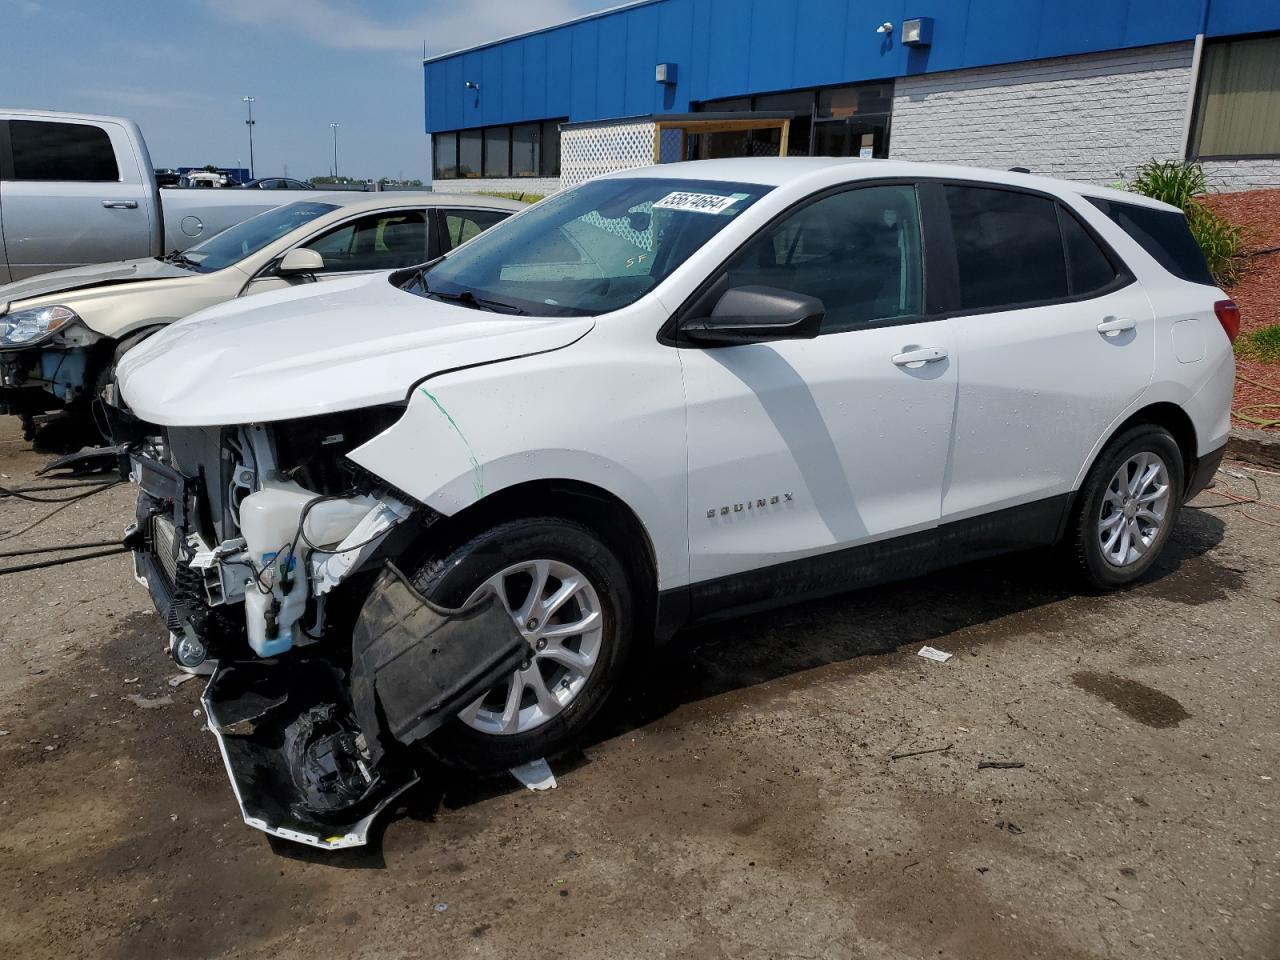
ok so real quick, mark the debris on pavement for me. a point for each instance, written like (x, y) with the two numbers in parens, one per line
(179, 679)
(1009, 827)
(149, 703)
(932, 653)
(1000, 764)
(441, 907)
(921, 753)
(536, 774)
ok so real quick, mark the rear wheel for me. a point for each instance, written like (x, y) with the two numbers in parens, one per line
(1127, 507)
(569, 596)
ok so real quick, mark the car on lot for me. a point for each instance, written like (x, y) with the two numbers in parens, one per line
(276, 183)
(61, 333)
(79, 188)
(469, 490)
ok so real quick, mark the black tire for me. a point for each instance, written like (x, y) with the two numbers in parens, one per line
(1084, 547)
(451, 579)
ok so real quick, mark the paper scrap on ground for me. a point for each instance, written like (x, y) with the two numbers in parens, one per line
(536, 775)
(930, 653)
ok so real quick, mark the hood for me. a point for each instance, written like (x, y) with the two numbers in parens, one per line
(94, 275)
(339, 345)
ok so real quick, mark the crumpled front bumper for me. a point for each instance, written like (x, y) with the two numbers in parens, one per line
(312, 750)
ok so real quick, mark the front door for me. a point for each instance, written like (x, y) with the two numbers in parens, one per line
(800, 449)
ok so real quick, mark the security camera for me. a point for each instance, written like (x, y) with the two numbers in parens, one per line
(885, 27)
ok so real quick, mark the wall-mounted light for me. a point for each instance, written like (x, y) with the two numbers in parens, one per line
(472, 85)
(885, 28)
(917, 32)
(665, 73)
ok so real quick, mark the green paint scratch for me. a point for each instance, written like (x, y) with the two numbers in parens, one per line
(477, 471)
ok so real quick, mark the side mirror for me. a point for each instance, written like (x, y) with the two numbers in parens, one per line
(757, 315)
(300, 260)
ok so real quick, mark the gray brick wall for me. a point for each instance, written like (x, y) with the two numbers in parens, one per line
(1093, 117)
(1229, 175)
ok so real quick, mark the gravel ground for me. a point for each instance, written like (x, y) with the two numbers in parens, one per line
(1257, 213)
(741, 801)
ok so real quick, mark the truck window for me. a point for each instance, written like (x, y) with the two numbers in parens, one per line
(43, 150)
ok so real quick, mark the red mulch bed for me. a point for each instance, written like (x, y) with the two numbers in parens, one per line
(1257, 292)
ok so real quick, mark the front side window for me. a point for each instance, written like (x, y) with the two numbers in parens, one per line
(1238, 105)
(587, 251)
(858, 252)
(379, 241)
(249, 236)
(1009, 249)
(43, 150)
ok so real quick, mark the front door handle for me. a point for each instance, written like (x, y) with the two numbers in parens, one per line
(919, 356)
(120, 204)
(1113, 326)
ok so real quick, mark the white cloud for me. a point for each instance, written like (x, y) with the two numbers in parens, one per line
(445, 26)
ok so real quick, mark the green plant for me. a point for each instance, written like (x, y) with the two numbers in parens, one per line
(1183, 185)
(1261, 344)
(518, 197)
(1177, 184)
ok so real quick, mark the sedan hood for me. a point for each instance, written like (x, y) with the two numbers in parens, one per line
(96, 274)
(333, 346)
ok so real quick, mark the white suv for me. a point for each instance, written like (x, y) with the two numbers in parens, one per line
(470, 489)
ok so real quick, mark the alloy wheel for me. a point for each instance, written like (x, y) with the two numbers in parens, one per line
(557, 609)
(1134, 509)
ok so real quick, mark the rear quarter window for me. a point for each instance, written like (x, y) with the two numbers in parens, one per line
(1162, 233)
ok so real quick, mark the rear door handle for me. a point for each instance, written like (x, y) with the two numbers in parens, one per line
(1112, 326)
(120, 204)
(919, 356)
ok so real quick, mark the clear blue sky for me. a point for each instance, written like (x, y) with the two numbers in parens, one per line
(180, 67)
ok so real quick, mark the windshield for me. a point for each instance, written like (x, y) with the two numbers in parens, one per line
(590, 250)
(249, 236)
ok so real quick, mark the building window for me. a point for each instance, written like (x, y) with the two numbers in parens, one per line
(470, 153)
(523, 150)
(850, 121)
(1238, 106)
(497, 152)
(444, 156)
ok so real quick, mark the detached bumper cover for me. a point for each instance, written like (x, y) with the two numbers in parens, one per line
(312, 751)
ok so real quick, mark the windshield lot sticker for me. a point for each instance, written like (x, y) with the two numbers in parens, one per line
(696, 202)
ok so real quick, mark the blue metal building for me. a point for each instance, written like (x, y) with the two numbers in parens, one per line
(496, 111)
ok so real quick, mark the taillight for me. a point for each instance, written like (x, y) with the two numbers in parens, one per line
(1229, 316)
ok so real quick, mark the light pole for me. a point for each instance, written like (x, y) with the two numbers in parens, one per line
(335, 150)
(249, 101)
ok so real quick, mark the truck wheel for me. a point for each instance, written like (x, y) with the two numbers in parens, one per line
(570, 597)
(1127, 507)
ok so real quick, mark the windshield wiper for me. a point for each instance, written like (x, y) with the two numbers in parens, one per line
(469, 299)
(180, 259)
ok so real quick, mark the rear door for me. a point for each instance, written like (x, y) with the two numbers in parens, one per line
(73, 193)
(1054, 337)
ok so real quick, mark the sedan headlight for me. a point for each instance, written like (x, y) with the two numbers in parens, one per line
(25, 327)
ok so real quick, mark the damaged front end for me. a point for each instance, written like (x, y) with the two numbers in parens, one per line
(269, 554)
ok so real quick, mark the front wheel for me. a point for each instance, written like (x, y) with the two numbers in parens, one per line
(569, 596)
(1127, 507)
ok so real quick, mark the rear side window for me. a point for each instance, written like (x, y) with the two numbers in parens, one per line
(61, 151)
(1008, 248)
(1162, 233)
(1089, 269)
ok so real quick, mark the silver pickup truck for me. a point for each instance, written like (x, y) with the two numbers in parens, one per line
(78, 189)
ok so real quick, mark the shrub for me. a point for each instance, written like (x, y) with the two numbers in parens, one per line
(1261, 344)
(1183, 185)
